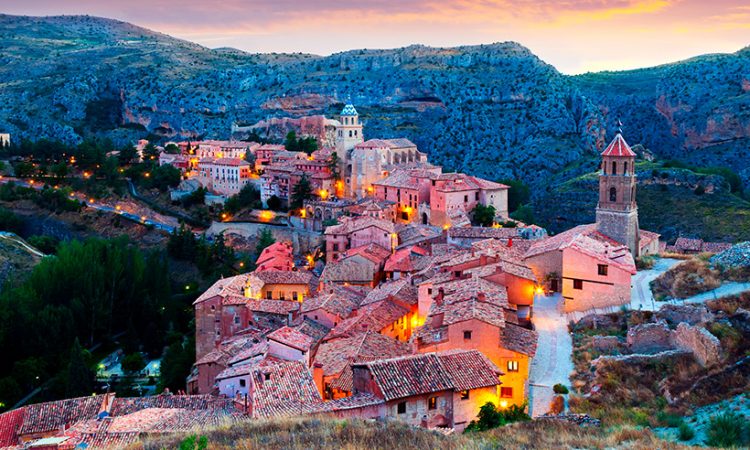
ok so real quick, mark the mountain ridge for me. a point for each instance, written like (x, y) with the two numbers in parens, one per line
(493, 110)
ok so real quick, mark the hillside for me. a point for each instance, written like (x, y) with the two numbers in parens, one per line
(17, 257)
(328, 433)
(496, 111)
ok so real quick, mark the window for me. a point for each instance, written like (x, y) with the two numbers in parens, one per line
(242, 382)
(466, 199)
(465, 395)
(578, 284)
(335, 247)
(429, 291)
(612, 194)
(401, 408)
(625, 168)
(267, 376)
(512, 366)
(432, 403)
(467, 335)
(602, 268)
(294, 296)
(506, 392)
(269, 295)
(476, 196)
(236, 320)
(614, 168)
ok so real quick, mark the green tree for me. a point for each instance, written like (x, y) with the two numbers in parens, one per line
(518, 194)
(274, 203)
(150, 152)
(45, 244)
(10, 221)
(24, 170)
(133, 362)
(302, 191)
(79, 377)
(127, 154)
(176, 364)
(483, 215)
(172, 149)
(290, 142)
(265, 239)
(333, 166)
(524, 214)
(59, 170)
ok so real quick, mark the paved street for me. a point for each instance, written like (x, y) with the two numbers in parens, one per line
(553, 362)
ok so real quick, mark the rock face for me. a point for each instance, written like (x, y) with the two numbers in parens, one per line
(496, 110)
(606, 343)
(697, 340)
(650, 338)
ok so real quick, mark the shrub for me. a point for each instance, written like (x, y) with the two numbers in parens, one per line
(684, 432)
(490, 417)
(727, 430)
(560, 389)
(699, 190)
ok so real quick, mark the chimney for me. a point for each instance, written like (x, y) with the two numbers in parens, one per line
(318, 377)
(482, 260)
(510, 242)
(439, 297)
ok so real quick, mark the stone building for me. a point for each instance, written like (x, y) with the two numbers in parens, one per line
(617, 211)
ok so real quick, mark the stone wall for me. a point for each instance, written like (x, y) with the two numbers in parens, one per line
(650, 337)
(302, 240)
(675, 314)
(703, 345)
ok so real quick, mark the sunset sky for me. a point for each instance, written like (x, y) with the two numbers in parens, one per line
(574, 35)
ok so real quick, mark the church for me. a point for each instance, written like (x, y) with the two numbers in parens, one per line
(591, 265)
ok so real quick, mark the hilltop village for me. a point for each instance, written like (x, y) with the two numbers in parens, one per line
(410, 308)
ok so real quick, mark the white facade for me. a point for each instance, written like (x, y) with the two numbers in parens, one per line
(225, 176)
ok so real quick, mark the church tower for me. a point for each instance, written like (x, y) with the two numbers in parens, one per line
(617, 211)
(349, 133)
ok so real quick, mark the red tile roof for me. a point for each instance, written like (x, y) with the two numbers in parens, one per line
(372, 317)
(373, 252)
(224, 287)
(619, 148)
(586, 239)
(10, 423)
(519, 339)
(52, 416)
(288, 391)
(349, 271)
(336, 354)
(400, 290)
(358, 400)
(407, 259)
(338, 302)
(281, 307)
(408, 376)
(292, 338)
(349, 225)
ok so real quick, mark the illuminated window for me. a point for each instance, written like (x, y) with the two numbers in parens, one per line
(506, 392)
(432, 403)
(465, 395)
(512, 366)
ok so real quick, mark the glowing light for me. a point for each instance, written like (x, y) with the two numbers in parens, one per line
(91, 200)
(102, 366)
(242, 264)
(118, 207)
(147, 174)
(86, 174)
(496, 225)
(370, 189)
(540, 290)
(143, 218)
(310, 158)
(447, 226)
(503, 404)
(224, 216)
(31, 181)
(408, 210)
(323, 194)
(121, 170)
(303, 213)
(71, 194)
(187, 287)
(266, 215)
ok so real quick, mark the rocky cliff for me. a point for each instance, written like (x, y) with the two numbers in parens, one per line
(495, 110)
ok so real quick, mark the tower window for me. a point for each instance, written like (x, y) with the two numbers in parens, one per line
(350, 133)
(614, 168)
(612, 194)
(625, 168)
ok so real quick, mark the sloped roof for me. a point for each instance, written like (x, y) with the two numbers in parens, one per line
(519, 339)
(336, 354)
(224, 287)
(618, 148)
(349, 110)
(371, 251)
(349, 225)
(292, 337)
(408, 376)
(338, 302)
(348, 271)
(289, 390)
(400, 290)
(372, 317)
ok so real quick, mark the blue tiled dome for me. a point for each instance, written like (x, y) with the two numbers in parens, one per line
(349, 110)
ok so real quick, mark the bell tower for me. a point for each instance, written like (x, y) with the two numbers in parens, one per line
(617, 211)
(348, 135)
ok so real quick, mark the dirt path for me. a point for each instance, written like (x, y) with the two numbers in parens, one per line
(553, 362)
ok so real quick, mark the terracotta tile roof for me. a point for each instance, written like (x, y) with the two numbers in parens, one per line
(245, 354)
(408, 376)
(358, 400)
(586, 239)
(372, 252)
(281, 307)
(414, 234)
(372, 143)
(508, 250)
(399, 143)
(400, 179)
(337, 302)
(336, 354)
(51, 416)
(469, 369)
(224, 287)
(372, 317)
(10, 423)
(455, 182)
(716, 247)
(408, 259)
(474, 287)
(288, 391)
(317, 331)
(618, 147)
(236, 162)
(647, 237)
(349, 225)
(282, 277)
(123, 406)
(400, 290)
(519, 339)
(292, 337)
(687, 244)
(349, 271)
(520, 270)
(482, 232)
